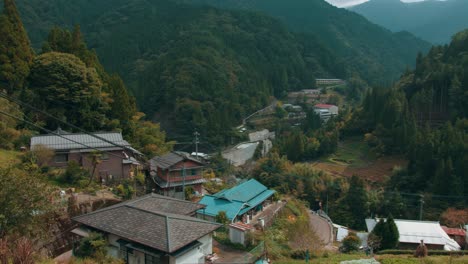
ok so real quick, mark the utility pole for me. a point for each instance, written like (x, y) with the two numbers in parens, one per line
(183, 183)
(421, 202)
(196, 134)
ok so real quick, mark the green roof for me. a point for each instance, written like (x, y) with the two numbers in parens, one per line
(237, 200)
(243, 192)
(215, 205)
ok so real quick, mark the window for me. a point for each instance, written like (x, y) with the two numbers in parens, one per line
(61, 157)
(193, 172)
(178, 189)
(150, 259)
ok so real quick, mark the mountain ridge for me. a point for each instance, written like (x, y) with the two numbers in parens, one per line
(426, 19)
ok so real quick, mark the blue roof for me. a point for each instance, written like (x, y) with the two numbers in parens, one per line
(257, 200)
(215, 205)
(237, 200)
(243, 192)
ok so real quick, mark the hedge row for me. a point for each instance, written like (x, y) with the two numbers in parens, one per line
(430, 252)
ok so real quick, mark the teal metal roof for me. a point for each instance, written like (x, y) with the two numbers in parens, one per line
(237, 200)
(257, 200)
(242, 192)
(215, 205)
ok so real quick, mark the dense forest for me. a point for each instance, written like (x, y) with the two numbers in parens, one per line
(425, 19)
(375, 54)
(422, 118)
(182, 62)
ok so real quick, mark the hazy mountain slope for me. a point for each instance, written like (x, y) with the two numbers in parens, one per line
(371, 49)
(435, 21)
(193, 67)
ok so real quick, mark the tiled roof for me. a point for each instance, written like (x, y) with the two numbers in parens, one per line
(160, 203)
(141, 222)
(170, 159)
(78, 141)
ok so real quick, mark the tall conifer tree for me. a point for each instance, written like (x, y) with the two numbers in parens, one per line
(15, 51)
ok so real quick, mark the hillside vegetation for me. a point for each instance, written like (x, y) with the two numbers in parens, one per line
(374, 53)
(197, 67)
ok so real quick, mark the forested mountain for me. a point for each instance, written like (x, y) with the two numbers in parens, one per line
(196, 68)
(425, 117)
(373, 52)
(184, 62)
(432, 20)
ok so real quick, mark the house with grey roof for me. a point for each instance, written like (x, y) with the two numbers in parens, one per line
(117, 159)
(151, 229)
(175, 171)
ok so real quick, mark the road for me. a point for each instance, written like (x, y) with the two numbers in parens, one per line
(322, 228)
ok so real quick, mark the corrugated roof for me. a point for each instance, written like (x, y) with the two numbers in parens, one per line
(85, 141)
(142, 222)
(243, 192)
(170, 159)
(236, 201)
(257, 200)
(412, 231)
(215, 205)
(454, 231)
(241, 226)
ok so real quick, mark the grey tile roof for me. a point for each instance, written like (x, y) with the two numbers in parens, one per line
(139, 222)
(79, 141)
(159, 203)
(170, 159)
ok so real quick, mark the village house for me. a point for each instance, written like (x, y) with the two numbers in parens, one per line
(240, 203)
(117, 159)
(152, 229)
(456, 234)
(174, 172)
(412, 232)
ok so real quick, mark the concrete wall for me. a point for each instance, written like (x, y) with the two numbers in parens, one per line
(241, 153)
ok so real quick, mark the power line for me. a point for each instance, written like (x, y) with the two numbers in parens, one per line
(57, 134)
(4, 95)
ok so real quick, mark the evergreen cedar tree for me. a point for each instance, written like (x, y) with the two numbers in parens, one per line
(15, 52)
(387, 232)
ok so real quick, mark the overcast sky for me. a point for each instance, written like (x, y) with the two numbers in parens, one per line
(345, 3)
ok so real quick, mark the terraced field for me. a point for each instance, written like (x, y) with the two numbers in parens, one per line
(354, 158)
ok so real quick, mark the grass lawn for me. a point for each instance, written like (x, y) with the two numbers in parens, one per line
(8, 157)
(383, 259)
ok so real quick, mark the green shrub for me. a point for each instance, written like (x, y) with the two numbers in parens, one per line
(350, 243)
(91, 246)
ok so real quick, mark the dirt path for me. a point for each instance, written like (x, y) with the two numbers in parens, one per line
(322, 228)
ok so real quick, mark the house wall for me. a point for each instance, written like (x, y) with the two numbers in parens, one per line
(193, 256)
(236, 236)
(175, 174)
(111, 166)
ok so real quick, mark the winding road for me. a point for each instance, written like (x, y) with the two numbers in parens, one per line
(322, 228)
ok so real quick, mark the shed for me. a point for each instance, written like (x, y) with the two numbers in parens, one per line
(238, 232)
